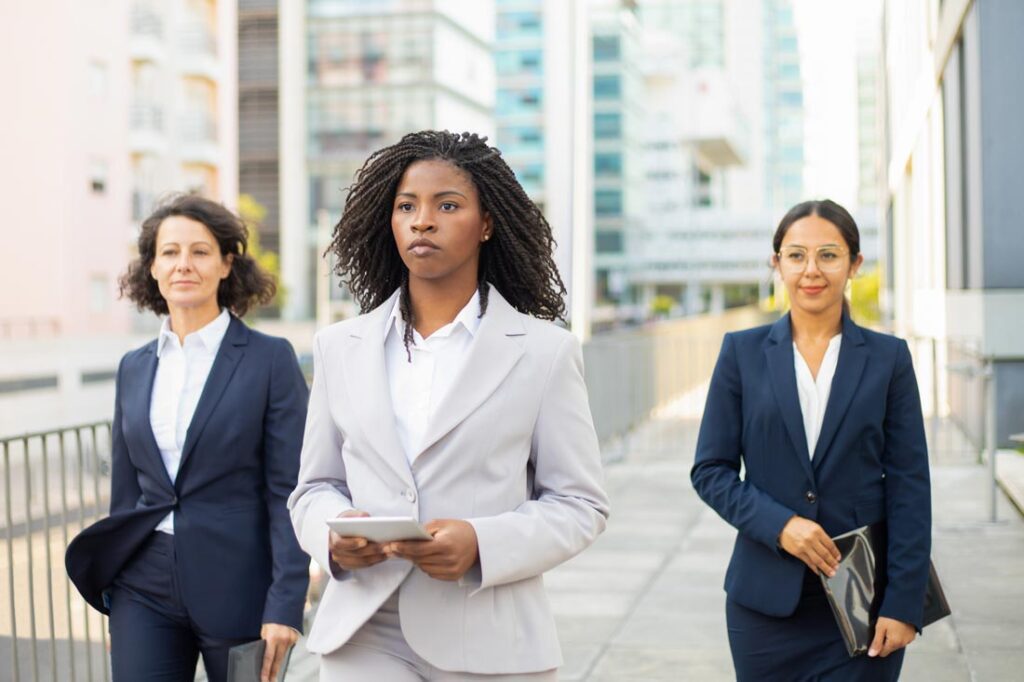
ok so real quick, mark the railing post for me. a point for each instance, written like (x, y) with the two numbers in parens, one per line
(16, 675)
(990, 435)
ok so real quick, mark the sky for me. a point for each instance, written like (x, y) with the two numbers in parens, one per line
(827, 33)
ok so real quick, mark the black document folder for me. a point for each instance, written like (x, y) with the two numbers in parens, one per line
(855, 593)
(245, 662)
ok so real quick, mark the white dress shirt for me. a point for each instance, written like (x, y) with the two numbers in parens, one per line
(417, 387)
(814, 392)
(181, 374)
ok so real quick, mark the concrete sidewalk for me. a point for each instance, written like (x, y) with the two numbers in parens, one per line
(646, 601)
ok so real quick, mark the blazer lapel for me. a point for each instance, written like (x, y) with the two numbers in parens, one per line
(494, 352)
(852, 358)
(779, 354)
(231, 351)
(138, 392)
(369, 393)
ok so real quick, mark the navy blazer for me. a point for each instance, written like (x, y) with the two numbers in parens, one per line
(870, 463)
(238, 560)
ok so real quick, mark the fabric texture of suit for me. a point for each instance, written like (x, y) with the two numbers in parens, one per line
(238, 560)
(511, 448)
(870, 463)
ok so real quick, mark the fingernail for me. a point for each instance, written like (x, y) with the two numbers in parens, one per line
(872, 652)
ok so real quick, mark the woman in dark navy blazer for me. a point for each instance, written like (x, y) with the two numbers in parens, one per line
(198, 552)
(822, 456)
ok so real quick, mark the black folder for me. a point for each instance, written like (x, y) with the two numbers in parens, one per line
(855, 593)
(245, 662)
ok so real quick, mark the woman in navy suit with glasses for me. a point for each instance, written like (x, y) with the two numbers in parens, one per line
(825, 418)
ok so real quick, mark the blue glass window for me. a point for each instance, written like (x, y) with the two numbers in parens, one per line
(608, 164)
(608, 126)
(606, 48)
(606, 241)
(607, 87)
(608, 202)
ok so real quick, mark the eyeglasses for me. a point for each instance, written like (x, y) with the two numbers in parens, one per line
(794, 259)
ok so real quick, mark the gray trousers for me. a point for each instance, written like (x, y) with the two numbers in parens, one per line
(378, 652)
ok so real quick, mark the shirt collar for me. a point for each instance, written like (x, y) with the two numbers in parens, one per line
(469, 316)
(209, 336)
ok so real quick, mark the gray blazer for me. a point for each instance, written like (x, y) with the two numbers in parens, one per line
(511, 449)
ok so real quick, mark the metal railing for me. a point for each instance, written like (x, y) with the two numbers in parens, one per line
(959, 396)
(54, 484)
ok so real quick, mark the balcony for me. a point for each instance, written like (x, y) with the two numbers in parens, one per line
(197, 136)
(712, 121)
(147, 33)
(146, 127)
(197, 45)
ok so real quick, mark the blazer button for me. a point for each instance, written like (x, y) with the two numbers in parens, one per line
(410, 495)
(811, 497)
(174, 500)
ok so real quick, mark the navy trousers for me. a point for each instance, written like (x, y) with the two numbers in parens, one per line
(152, 638)
(804, 647)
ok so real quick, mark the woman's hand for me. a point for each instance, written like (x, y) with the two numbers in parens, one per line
(890, 635)
(451, 553)
(809, 543)
(351, 553)
(279, 639)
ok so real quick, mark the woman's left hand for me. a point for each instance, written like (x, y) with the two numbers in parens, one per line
(279, 639)
(448, 556)
(890, 635)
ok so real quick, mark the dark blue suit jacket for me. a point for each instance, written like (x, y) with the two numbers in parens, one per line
(237, 557)
(870, 463)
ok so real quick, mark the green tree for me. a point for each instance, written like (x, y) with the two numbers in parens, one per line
(254, 213)
(864, 297)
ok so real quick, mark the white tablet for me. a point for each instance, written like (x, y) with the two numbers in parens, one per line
(379, 528)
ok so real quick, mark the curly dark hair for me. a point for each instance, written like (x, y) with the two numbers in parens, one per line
(248, 283)
(517, 259)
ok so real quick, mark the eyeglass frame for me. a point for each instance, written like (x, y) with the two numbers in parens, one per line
(806, 252)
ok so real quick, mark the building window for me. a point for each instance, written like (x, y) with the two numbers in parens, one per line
(608, 202)
(607, 87)
(509, 62)
(98, 79)
(98, 176)
(518, 24)
(606, 48)
(608, 165)
(606, 241)
(99, 293)
(608, 126)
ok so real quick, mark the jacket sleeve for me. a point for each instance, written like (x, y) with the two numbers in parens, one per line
(124, 483)
(322, 492)
(569, 506)
(907, 496)
(283, 423)
(715, 472)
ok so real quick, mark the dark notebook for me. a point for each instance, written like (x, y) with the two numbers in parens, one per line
(855, 593)
(245, 662)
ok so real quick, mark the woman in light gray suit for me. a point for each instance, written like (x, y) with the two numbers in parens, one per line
(450, 402)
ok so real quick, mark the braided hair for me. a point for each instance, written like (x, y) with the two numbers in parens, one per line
(517, 259)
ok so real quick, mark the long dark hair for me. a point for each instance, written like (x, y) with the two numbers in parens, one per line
(246, 285)
(517, 259)
(830, 211)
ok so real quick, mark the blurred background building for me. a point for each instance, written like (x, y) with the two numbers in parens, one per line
(132, 100)
(954, 245)
(372, 71)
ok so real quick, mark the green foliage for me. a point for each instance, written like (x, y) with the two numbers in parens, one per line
(254, 213)
(662, 305)
(864, 297)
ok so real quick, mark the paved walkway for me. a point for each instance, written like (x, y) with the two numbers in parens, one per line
(646, 601)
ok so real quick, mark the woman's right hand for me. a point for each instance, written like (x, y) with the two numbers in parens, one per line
(809, 543)
(351, 553)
